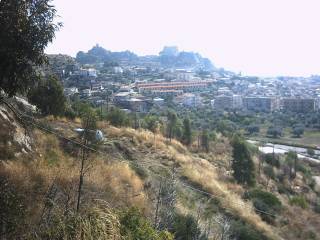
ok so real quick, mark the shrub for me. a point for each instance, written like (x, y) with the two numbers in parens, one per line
(282, 189)
(251, 129)
(243, 231)
(272, 159)
(70, 113)
(186, 228)
(134, 226)
(267, 204)
(118, 118)
(274, 132)
(299, 201)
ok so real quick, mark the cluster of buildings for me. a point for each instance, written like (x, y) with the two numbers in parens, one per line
(265, 103)
(139, 88)
(165, 88)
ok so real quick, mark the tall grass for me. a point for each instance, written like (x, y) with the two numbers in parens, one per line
(203, 173)
(99, 222)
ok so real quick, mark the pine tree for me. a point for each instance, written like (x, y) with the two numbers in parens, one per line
(205, 140)
(187, 134)
(242, 164)
(172, 123)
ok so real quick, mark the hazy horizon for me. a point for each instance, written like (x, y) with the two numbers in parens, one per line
(263, 38)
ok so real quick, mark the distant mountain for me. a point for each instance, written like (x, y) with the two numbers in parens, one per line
(99, 54)
(169, 57)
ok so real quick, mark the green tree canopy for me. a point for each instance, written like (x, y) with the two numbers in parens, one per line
(26, 29)
(187, 134)
(48, 96)
(118, 118)
(242, 164)
(172, 123)
(205, 140)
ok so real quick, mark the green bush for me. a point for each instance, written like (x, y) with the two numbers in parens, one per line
(299, 201)
(118, 118)
(267, 204)
(282, 189)
(186, 228)
(135, 227)
(243, 231)
(272, 159)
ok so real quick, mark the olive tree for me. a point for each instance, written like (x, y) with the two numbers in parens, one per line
(27, 26)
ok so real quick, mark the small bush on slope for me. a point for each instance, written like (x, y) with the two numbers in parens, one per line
(186, 228)
(242, 231)
(135, 227)
(267, 203)
(299, 201)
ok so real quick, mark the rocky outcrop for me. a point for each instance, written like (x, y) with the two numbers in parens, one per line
(14, 139)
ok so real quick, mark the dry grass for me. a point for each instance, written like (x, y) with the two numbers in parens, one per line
(144, 136)
(51, 118)
(203, 173)
(114, 182)
(120, 184)
(98, 222)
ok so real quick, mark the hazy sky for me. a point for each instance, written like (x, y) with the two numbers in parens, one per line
(257, 37)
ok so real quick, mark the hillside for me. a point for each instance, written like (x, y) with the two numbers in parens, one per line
(166, 58)
(129, 168)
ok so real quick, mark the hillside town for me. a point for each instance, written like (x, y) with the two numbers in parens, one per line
(137, 85)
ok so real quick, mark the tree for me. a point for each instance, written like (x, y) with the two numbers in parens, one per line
(172, 123)
(269, 172)
(253, 129)
(186, 228)
(291, 160)
(118, 117)
(274, 132)
(26, 29)
(205, 140)
(187, 134)
(242, 164)
(297, 130)
(48, 96)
